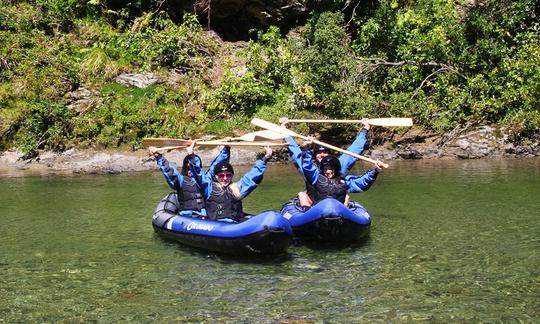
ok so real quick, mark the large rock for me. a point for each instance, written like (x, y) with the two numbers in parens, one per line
(83, 100)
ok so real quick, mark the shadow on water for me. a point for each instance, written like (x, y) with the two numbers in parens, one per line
(332, 246)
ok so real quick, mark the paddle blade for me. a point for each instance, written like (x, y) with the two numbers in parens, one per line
(273, 127)
(391, 122)
(163, 142)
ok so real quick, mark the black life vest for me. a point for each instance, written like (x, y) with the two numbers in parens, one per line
(223, 204)
(328, 188)
(189, 195)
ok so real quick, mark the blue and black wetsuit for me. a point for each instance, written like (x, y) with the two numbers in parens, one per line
(225, 203)
(189, 193)
(322, 187)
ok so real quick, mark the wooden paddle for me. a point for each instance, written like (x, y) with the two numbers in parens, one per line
(168, 144)
(169, 148)
(162, 142)
(255, 144)
(386, 122)
(263, 135)
(288, 132)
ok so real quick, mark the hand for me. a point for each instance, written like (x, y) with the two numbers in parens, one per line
(268, 154)
(308, 141)
(379, 165)
(153, 151)
(283, 121)
(190, 148)
(365, 123)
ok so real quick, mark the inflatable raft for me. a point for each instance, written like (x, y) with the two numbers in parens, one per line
(329, 220)
(265, 233)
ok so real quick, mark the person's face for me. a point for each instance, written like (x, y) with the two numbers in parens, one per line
(224, 178)
(321, 155)
(329, 173)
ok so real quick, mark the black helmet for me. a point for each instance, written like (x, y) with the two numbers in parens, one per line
(185, 163)
(319, 148)
(223, 166)
(331, 162)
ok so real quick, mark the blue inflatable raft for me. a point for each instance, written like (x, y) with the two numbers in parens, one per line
(329, 220)
(265, 233)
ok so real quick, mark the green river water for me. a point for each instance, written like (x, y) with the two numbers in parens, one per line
(451, 241)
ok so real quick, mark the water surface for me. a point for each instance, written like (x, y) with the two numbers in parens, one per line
(451, 242)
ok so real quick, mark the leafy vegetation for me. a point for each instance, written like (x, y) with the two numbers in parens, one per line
(441, 62)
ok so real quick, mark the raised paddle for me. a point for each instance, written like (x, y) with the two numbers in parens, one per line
(258, 136)
(262, 135)
(256, 143)
(162, 142)
(386, 122)
(169, 148)
(285, 131)
(167, 144)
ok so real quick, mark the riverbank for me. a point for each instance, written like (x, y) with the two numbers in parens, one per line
(480, 142)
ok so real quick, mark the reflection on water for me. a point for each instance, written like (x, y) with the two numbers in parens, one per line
(451, 241)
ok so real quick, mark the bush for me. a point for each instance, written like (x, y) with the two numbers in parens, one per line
(44, 124)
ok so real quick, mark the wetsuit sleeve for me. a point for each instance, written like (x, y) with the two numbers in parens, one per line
(309, 169)
(361, 183)
(251, 179)
(358, 147)
(224, 155)
(172, 176)
(201, 178)
(296, 153)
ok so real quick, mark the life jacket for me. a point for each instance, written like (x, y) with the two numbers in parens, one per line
(223, 204)
(189, 195)
(327, 188)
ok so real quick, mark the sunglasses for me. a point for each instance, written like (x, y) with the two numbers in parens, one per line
(224, 175)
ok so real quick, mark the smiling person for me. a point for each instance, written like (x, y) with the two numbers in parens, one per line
(223, 196)
(188, 192)
(326, 181)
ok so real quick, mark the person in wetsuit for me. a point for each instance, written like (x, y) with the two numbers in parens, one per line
(326, 181)
(189, 195)
(319, 152)
(223, 196)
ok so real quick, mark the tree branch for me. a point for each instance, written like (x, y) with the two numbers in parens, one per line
(429, 76)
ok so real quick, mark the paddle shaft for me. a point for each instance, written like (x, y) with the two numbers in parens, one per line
(286, 131)
(387, 122)
(219, 143)
(169, 148)
(335, 148)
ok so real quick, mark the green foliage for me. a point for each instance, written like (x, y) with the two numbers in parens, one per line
(45, 125)
(129, 114)
(153, 43)
(324, 58)
(247, 86)
(441, 62)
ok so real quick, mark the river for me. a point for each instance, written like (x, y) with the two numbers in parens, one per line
(451, 241)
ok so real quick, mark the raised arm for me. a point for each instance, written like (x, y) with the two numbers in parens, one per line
(358, 147)
(309, 169)
(172, 176)
(224, 155)
(253, 177)
(202, 179)
(363, 182)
